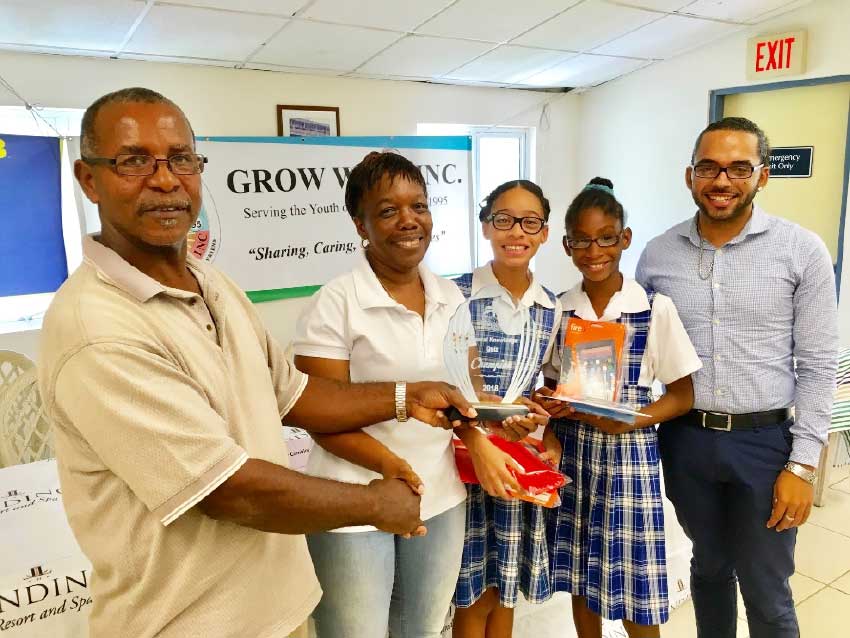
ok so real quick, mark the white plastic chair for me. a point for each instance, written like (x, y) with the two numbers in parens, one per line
(12, 365)
(25, 435)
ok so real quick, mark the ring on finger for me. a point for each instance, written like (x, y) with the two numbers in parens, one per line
(789, 517)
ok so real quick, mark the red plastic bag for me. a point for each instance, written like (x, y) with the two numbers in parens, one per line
(540, 481)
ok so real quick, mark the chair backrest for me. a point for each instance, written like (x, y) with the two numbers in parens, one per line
(12, 365)
(25, 435)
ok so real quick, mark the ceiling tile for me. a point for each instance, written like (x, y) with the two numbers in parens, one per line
(667, 37)
(150, 57)
(655, 5)
(584, 70)
(384, 14)
(202, 33)
(492, 20)
(274, 7)
(421, 56)
(89, 24)
(586, 26)
(324, 46)
(740, 10)
(261, 66)
(785, 8)
(508, 65)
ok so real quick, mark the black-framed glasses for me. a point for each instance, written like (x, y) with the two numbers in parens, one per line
(531, 224)
(606, 241)
(143, 165)
(710, 170)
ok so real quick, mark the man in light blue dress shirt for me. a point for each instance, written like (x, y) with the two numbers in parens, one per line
(757, 296)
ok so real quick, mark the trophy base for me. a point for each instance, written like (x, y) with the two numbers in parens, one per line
(498, 411)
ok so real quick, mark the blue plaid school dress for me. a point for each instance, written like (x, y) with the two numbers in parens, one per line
(505, 544)
(606, 540)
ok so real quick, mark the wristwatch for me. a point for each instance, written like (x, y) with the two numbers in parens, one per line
(401, 401)
(803, 472)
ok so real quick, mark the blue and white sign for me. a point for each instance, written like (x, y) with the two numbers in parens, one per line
(32, 248)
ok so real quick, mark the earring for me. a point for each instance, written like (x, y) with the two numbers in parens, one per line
(759, 188)
(364, 243)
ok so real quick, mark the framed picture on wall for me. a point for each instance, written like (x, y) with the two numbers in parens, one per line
(307, 121)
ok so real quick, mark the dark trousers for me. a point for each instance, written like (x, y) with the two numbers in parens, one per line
(721, 484)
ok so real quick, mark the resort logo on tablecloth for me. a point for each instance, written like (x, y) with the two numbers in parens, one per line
(15, 500)
(40, 598)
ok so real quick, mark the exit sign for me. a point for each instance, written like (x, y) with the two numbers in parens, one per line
(770, 56)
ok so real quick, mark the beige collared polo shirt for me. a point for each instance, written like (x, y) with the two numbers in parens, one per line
(156, 397)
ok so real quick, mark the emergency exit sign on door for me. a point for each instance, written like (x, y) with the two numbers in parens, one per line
(770, 56)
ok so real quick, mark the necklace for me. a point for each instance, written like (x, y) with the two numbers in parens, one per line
(707, 275)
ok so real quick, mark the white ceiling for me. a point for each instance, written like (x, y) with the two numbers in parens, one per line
(526, 44)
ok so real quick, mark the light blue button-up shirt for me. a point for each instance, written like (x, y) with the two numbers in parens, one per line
(767, 303)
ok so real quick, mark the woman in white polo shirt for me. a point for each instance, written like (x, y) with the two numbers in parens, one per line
(384, 321)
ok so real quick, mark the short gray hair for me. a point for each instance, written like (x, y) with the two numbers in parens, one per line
(134, 94)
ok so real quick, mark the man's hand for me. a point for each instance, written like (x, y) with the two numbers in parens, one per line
(792, 501)
(396, 507)
(609, 426)
(491, 467)
(426, 401)
(516, 428)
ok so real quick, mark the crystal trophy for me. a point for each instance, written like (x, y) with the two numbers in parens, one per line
(503, 353)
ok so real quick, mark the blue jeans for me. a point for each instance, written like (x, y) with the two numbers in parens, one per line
(721, 484)
(374, 581)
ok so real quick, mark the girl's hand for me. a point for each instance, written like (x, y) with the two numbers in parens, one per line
(553, 448)
(515, 428)
(557, 409)
(609, 426)
(395, 467)
(492, 468)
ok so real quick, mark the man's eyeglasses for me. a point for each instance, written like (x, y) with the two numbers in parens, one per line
(531, 224)
(710, 170)
(143, 165)
(606, 241)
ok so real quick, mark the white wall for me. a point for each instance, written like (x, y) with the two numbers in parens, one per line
(639, 130)
(220, 101)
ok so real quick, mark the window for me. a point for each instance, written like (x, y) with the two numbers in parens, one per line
(499, 154)
(25, 312)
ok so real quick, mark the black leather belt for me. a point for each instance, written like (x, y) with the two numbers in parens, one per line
(727, 422)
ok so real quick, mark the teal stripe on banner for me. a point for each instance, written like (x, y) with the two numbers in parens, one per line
(259, 296)
(438, 142)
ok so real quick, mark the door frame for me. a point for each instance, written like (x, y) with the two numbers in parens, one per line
(715, 112)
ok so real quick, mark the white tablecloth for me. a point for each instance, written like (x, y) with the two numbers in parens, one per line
(44, 576)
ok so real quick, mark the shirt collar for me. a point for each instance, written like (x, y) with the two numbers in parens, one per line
(757, 224)
(371, 294)
(115, 270)
(631, 298)
(484, 278)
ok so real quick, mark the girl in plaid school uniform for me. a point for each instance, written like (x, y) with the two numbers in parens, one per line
(505, 547)
(606, 539)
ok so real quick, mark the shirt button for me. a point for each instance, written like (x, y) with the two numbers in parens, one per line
(716, 285)
(718, 392)
(209, 327)
(716, 322)
(719, 251)
(717, 357)
(193, 301)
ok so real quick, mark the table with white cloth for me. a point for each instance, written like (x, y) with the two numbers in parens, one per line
(44, 576)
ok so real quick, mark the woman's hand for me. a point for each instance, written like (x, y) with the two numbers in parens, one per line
(492, 467)
(553, 448)
(395, 467)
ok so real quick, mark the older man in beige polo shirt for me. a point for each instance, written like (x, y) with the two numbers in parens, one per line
(166, 395)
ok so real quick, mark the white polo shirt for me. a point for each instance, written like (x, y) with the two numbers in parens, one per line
(353, 318)
(669, 354)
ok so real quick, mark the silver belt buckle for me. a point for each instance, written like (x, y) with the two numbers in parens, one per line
(728, 427)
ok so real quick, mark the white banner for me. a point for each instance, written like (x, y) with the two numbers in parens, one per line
(274, 215)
